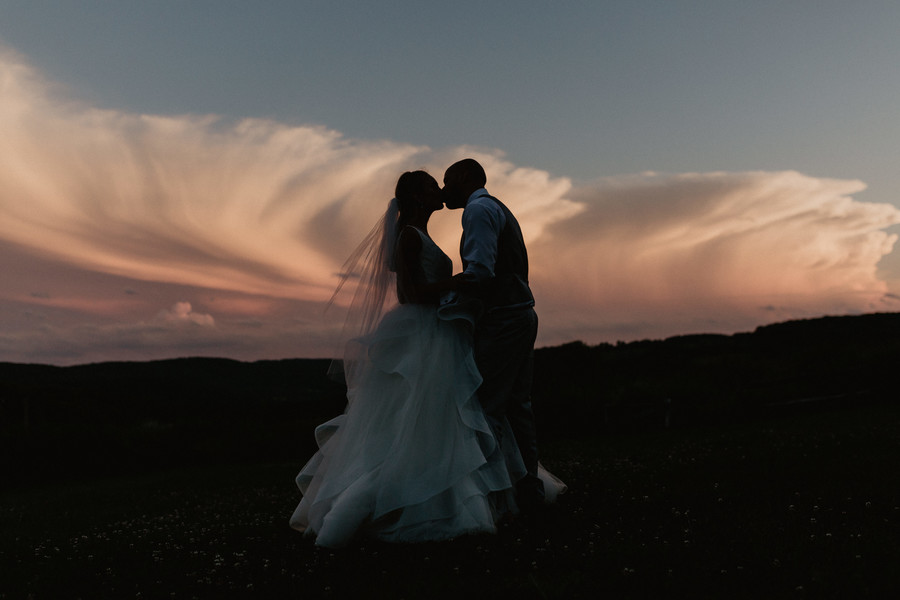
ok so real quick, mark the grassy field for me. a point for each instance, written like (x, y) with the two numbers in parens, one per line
(791, 506)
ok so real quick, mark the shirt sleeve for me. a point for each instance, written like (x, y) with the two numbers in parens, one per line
(482, 224)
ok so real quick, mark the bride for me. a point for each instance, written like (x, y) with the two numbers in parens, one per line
(412, 458)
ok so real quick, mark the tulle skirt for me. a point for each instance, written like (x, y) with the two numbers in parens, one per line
(412, 458)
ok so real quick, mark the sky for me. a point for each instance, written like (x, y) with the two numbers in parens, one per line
(187, 178)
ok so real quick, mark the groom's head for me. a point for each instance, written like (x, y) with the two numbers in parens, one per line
(460, 180)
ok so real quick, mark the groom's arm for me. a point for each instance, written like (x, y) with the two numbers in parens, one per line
(482, 224)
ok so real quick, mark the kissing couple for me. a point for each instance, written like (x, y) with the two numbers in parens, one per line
(438, 437)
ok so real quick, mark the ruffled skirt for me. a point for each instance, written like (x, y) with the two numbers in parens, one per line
(412, 458)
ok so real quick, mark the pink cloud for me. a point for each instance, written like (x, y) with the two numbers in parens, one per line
(714, 251)
(181, 312)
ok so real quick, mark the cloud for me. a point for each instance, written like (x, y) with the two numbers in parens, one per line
(106, 215)
(711, 251)
(253, 206)
(182, 312)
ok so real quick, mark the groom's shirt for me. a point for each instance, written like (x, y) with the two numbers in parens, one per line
(493, 252)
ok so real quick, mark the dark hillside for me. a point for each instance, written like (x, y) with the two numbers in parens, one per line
(109, 418)
(119, 417)
(703, 379)
(167, 391)
(758, 465)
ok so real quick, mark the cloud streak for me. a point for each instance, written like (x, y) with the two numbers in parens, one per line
(245, 224)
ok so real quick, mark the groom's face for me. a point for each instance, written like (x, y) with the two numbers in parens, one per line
(453, 192)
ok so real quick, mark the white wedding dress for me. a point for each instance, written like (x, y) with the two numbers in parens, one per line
(412, 458)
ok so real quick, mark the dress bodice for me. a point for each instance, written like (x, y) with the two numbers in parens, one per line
(432, 266)
(436, 265)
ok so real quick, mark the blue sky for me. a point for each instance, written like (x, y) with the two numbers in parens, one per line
(574, 102)
(583, 89)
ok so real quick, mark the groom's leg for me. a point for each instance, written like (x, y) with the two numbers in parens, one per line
(530, 490)
(520, 414)
(504, 353)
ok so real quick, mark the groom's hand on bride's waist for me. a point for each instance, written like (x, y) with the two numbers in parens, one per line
(463, 282)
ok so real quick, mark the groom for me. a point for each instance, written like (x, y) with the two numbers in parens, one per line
(495, 270)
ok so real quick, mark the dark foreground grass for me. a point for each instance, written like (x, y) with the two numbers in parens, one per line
(802, 506)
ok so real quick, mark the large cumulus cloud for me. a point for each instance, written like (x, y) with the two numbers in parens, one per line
(659, 254)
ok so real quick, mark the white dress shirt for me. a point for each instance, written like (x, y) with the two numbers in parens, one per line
(482, 222)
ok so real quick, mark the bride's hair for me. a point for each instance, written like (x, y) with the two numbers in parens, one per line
(409, 186)
(411, 183)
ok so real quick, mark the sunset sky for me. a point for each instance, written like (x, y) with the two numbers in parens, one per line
(186, 178)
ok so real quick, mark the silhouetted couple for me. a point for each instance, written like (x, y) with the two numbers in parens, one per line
(438, 438)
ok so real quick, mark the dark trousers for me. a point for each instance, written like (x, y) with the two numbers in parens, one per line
(504, 353)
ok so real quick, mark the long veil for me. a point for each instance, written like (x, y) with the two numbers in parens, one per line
(372, 267)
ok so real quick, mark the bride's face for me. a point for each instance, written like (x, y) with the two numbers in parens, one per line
(431, 198)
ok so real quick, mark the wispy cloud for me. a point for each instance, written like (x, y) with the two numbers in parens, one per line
(245, 224)
(253, 206)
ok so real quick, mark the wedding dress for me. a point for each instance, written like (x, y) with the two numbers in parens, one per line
(412, 458)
